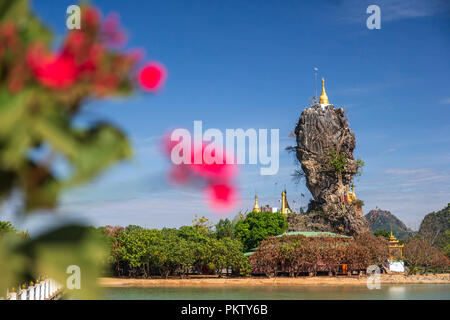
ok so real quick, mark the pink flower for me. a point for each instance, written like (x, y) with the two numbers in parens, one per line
(53, 71)
(152, 76)
(214, 178)
(113, 36)
(221, 197)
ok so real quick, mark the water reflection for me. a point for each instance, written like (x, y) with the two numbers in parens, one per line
(389, 292)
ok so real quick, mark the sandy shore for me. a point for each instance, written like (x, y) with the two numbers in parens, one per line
(280, 281)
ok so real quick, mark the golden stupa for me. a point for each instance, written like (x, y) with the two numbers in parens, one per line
(323, 95)
(256, 206)
(285, 209)
(351, 195)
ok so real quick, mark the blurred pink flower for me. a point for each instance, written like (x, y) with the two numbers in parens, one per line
(57, 71)
(214, 178)
(221, 197)
(152, 76)
(111, 32)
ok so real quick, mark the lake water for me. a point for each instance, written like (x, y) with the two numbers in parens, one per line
(396, 292)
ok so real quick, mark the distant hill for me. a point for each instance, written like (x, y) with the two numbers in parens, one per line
(384, 220)
(434, 225)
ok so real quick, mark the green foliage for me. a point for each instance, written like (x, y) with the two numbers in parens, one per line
(49, 254)
(337, 161)
(382, 233)
(38, 132)
(5, 227)
(202, 223)
(360, 164)
(37, 120)
(224, 229)
(145, 252)
(258, 226)
(384, 220)
(434, 226)
(446, 247)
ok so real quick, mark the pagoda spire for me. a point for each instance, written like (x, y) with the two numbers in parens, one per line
(323, 95)
(256, 206)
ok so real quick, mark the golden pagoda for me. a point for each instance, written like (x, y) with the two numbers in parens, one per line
(351, 195)
(395, 249)
(323, 95)
(256, 206)
(285, 209)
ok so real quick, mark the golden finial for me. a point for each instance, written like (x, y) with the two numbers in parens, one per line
(256, 206)
(323, 95)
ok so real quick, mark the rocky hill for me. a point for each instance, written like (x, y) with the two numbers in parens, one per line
(324, 148)
(384, 220)
(434, 225)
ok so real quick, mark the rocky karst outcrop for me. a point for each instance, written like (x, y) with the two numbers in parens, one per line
(384, 220)
(324, 148)
(434, 226)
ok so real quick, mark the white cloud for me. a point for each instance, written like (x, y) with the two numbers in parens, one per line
(406, 171)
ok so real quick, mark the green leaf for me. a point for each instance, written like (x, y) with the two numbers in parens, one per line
(16, 10)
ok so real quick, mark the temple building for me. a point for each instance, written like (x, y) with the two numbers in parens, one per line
(285, 209)
(396, 263)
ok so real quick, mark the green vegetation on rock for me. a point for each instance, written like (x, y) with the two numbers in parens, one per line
(435, 227)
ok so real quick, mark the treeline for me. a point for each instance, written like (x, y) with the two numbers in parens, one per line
(299, 255)
(141, 252)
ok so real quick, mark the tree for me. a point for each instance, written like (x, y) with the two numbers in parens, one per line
(446, 248)
(258, 226)
(422, 257)
(382, 233)
(224, 229)
(202, 223)
(337, 161)
(360, 164)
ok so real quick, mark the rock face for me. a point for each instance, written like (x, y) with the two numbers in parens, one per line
(434, 225)
(384, 220)
(322, 132)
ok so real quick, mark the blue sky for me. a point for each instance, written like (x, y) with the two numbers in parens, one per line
(249, 64)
